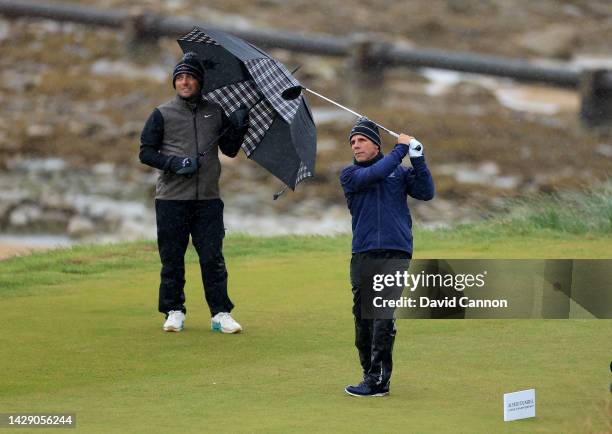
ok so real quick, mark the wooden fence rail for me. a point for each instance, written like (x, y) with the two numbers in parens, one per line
(367, 56)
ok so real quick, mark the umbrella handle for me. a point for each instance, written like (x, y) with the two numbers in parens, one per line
(281, 192)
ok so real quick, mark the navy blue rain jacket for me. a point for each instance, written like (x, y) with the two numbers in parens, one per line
(376, 194)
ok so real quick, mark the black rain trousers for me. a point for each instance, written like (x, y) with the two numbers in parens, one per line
(374, 338)
(203, 220)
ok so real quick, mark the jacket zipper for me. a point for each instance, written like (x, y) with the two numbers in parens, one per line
(195, 128)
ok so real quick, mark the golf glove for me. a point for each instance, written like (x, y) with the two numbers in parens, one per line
(183, 165)
(240, 117)
(415, 148)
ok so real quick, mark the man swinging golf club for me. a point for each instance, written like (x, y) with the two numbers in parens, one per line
(376, 189)
(181, 138)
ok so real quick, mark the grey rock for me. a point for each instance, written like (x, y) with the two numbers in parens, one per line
(326, 145)
(52, 220)
(4, 141)
(14, 81)
(24, 215)
(572, 11)
(556, 40)
(76, 128)
(34, 165)
(50, 199)
(131, 129)
(124, 69)
(332, 116)
(103, 169)
(604, 149)
(39, 131)
(507, 182)
(486, 173)
(91, 124)
(5, 29)
(80, 226)
(130, 230)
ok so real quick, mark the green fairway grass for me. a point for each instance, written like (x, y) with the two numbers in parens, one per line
(81, 334)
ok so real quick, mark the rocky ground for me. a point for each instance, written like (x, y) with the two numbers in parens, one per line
(73, 100)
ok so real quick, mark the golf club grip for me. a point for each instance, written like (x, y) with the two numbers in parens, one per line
(394, 134)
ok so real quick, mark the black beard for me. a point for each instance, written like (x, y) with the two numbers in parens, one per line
(192, 98)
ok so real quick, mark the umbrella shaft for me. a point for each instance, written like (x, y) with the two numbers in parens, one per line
(201, 154)
(394, 134)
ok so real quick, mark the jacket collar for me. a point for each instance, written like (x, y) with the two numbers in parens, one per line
(368, 163)
(190, 105)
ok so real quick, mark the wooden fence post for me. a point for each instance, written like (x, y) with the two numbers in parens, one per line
(596, 98)
(363, 82)
(141, 38)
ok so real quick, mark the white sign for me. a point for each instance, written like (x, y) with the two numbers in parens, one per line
(519, 405)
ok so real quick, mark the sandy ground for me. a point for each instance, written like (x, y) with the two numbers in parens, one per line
(8, 250)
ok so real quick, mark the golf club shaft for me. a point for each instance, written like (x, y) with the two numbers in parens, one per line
(394, 134)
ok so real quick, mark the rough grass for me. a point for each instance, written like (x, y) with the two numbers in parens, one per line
(572, 212)
(493, 239)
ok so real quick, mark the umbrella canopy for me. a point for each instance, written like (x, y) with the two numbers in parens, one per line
(281, 136)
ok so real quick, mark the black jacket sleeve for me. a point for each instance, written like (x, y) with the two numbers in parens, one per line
(151, 142)
(230, 142)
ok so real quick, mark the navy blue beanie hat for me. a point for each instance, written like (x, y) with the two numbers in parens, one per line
(189, 64)
(366, 128)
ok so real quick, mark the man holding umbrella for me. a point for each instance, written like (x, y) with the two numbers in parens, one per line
(376, 189)
(181, 138)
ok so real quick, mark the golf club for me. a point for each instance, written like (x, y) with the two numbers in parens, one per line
(295, 91)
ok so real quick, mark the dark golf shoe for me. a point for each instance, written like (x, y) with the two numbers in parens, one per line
(366, 389)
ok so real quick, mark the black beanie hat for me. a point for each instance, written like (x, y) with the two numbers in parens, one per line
(366, 128)
(189, 64)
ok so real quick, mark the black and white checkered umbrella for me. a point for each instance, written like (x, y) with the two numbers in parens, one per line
(282, 134)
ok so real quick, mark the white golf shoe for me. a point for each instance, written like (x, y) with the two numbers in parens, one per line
(175, 321)
(224, 323)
